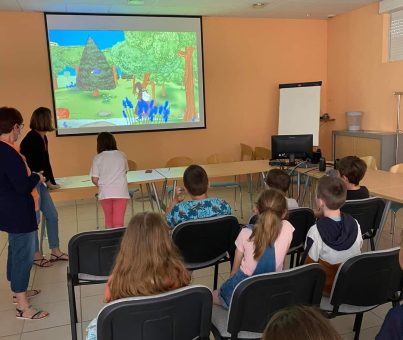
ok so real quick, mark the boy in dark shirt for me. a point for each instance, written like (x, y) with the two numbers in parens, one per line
(352, 170)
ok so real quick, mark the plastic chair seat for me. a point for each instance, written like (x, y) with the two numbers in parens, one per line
(220, 321)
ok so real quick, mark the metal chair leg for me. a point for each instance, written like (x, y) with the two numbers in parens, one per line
(393, 225)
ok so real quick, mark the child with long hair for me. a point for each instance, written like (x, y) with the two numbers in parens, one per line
(260, 248)
(148, 263)
(108, 173)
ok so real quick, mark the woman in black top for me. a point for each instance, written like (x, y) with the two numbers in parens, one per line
(35, 148)
(18, 201)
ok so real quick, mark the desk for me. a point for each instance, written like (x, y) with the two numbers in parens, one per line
(218, 170)
(380, 183)
(78, 187)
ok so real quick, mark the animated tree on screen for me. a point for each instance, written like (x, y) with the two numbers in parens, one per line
(106, 78)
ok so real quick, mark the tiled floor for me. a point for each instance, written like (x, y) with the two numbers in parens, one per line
(80, 216)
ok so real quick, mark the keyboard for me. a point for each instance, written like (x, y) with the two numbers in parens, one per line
(276, 162)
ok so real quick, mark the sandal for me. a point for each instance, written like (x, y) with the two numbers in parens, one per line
(39, 315)
(30, 293)
(61, 257)
(43, 263)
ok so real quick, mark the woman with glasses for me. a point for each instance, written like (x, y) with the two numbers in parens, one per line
(19, 201)
(34, 147)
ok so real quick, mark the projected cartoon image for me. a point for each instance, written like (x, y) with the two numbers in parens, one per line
(108, 78)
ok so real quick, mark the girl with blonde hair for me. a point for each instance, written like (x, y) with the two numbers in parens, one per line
(148, 263)
(260, 248)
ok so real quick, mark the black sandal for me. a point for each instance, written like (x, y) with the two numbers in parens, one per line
(36, 316)
(61, 257)
(42, 263)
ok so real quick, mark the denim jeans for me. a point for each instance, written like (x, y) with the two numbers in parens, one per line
(19, 261)
(52, 219)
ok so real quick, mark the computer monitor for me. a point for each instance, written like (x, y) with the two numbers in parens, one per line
(292, 147)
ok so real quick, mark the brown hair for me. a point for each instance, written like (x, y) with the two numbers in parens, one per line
(106, 142)
(8, 118)
(195, 180)
(148, 261)
(353, 168)
(272, 208)
(300, 322)
(278, 179)
(333, 192)
(41, 120)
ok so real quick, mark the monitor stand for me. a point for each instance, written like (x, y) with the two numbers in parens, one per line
(291, 159)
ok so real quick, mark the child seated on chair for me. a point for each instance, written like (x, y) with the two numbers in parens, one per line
(200, 205)
(352, 170)
(280, 180)
(148, 263)
(336, 236)
(260, 248)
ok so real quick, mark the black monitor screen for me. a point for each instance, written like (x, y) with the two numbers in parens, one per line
(298, 146)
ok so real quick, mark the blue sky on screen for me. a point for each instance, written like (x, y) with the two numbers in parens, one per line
(103, 39)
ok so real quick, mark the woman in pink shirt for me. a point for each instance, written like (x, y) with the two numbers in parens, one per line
(260, 248)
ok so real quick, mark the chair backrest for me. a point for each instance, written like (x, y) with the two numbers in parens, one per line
(301, 219)
(367, 279)
(206, 240)
(368, 212)
(179, 161)
(397, 168)
(370, 161)
(246, 152)
(257, 298)
(262, 153)
(216, 158)
(181, 314)
(92, 254)
(132, 165)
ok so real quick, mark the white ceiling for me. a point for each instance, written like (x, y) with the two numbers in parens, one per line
(298, 9)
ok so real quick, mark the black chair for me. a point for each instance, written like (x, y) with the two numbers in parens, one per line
(91, 258)
(301, 219)
(207, 242)
(182, 314)
(258, 297)
(368, 212)
(362, 283)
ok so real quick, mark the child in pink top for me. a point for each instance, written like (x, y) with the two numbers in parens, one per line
(108, 173)
(270, 231)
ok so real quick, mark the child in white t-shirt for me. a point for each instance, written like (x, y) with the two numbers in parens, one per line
(108, 173)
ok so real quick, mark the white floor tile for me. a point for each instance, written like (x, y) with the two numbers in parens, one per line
(59, 333)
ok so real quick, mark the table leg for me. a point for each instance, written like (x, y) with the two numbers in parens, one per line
(150, 194)
(250, 191)
(307, 182)
(157, 200)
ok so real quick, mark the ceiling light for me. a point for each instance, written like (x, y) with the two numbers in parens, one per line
(308, 15)
(331, 16)
(259, 4)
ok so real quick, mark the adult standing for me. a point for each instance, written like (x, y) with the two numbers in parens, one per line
(18, 203)
(34, 147)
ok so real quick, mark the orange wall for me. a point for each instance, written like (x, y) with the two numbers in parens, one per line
(245, 59)
(358, 79)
